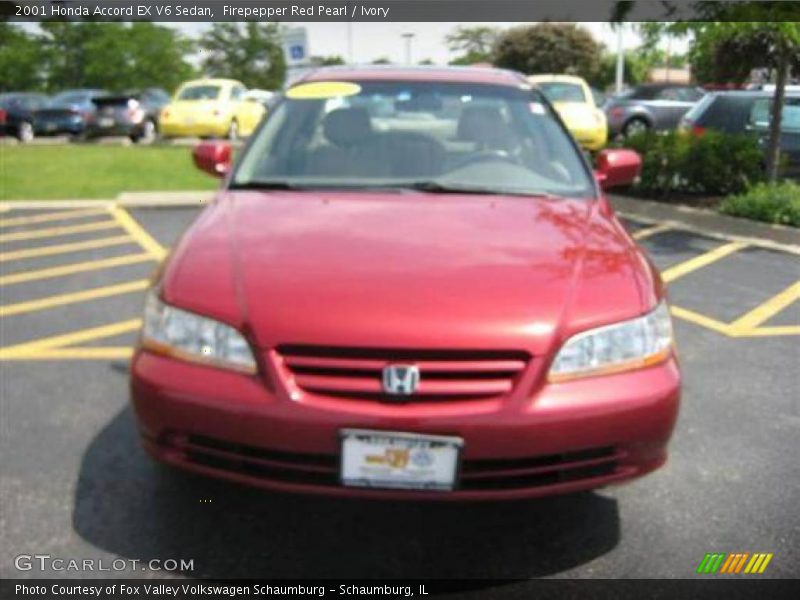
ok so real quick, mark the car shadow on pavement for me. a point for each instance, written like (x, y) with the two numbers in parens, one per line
(133, 508)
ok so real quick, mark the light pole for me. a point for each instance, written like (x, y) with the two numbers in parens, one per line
(349, 43)
(408, 38)
(620, 75)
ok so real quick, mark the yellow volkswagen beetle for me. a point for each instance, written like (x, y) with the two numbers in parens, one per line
(211, 108)
(573, 99)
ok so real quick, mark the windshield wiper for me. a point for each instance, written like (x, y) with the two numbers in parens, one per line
(442, 187)
(276, 184)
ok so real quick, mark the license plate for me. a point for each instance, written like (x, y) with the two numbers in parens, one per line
(382, 459)
(105, 122)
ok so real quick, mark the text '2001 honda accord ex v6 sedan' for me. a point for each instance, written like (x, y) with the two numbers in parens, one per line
(410, 285)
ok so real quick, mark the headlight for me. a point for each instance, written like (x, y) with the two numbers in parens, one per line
(622, 346)
(169, 330)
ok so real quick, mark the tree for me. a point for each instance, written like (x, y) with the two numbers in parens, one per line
(767, 35)
(636, 69)
(549, 48)
(475, 43)
(250, 52)
(113, 56)
(157, 56)
(20, 59)
(327, 61)
(382, 61)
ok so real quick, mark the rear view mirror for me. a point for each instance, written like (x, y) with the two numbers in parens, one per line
(213, 157)
(617, 167)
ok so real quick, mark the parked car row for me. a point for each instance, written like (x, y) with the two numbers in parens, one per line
(666, 107)
(203, 107)
(748, 112)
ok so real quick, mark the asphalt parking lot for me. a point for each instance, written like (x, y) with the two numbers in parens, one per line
(74, 482)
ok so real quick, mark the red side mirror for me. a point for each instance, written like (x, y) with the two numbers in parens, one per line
(617, 167)
(213, 158)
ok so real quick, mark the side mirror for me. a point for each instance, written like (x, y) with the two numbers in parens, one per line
(213, 158)
(617, 167)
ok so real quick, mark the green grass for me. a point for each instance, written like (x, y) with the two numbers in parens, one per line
(95, 171)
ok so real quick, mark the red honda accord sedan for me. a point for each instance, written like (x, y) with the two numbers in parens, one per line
(410, 285)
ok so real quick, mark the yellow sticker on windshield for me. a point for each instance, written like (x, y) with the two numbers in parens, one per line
(322, 90)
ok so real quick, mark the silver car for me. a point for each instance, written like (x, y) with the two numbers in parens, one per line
(657, 107)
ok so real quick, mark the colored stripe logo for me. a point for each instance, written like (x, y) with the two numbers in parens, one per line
(734, 563)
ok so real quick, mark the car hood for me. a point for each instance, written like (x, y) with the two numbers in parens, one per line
(577, 115)
(407, 269)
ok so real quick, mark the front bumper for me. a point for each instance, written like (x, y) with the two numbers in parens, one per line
(567, 437)
(118, 128)
(59, 126)
(197, 129)
(591, 139)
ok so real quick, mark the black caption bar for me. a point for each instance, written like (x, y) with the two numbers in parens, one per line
(542, 589)
(369, 10)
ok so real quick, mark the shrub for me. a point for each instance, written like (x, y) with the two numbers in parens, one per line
(713, 164)
(773, 203)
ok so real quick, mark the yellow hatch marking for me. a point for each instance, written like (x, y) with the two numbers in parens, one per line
(65, 248)
(55, 216)
(72, 298)
(33, 234)
(703, 260)
(92, 265)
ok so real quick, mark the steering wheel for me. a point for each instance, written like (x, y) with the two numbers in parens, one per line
(485, 156)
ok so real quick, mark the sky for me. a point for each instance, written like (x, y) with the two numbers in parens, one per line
(379, 40)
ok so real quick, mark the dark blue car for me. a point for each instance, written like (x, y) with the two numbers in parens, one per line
(16, 113)
(69, 112)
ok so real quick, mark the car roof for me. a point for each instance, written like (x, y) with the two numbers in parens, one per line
(753, 93)
(556, 78)
(478, 75)
(663, 86)
(212, 81)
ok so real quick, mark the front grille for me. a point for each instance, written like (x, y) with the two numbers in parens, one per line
(290, 467)
(323, 469)
(538, 471)
(356, 373)
(55, 113)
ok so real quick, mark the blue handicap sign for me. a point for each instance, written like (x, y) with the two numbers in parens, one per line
(297, 52)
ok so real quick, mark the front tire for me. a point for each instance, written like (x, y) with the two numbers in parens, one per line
(634, 127)
(233, 131)
(147, 135)
(25, 133)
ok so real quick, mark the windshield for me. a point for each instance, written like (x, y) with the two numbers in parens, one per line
(199, 92)
(435, 136)
(65, 98)
(563, 92)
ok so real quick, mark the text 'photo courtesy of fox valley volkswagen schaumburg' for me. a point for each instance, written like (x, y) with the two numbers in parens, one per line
(353, 299)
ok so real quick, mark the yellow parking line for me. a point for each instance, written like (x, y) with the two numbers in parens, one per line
(79, 353)
(82, 267)
(75, 337)
(137, 232)
(770, 331)
(55, 216)
(75, 297)
(768, 309)
(698, 319)
(56, 231)
(64, 248)
(647, 232)
(703, 260)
